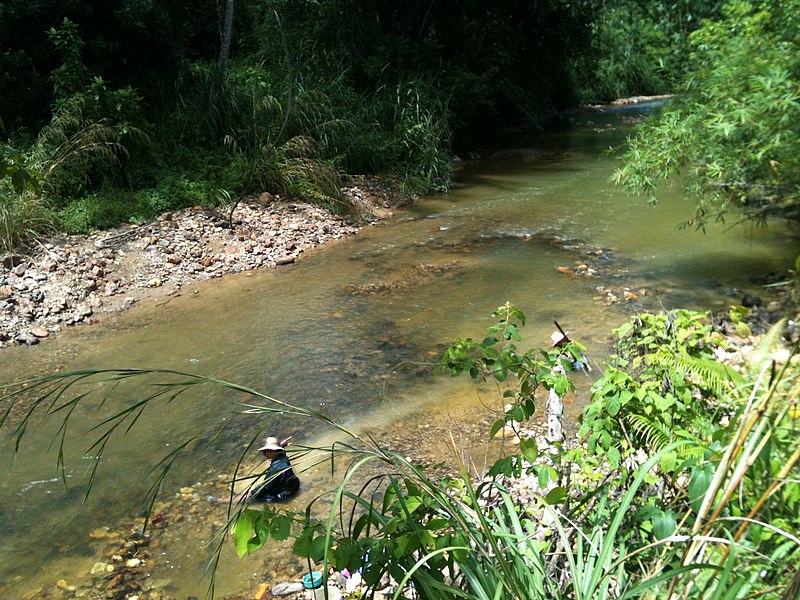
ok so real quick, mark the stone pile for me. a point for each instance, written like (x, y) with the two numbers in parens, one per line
(71, 280)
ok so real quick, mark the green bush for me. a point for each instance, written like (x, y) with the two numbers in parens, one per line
(113, 207)
(732, 134)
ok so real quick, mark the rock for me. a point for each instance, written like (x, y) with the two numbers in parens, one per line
(772, 307)
(11, 260)
(352, 584)
(188, 246)
(286, 589)
(99, 533)
(751, 301)
(266, 198)
(333, 593)
(100, 568)
(28, 339)
(39, 332)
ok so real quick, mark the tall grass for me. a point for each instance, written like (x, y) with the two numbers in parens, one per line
(24, 218)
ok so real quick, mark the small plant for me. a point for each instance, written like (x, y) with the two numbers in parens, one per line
(23, 218)
(22, 215)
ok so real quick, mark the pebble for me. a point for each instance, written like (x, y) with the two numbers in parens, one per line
(333, 593)
(286, 589)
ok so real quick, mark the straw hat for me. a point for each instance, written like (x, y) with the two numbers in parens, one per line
(272, 443)
(559, 338)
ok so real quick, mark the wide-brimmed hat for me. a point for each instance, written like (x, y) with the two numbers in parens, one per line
(558, 338)
(272, 443)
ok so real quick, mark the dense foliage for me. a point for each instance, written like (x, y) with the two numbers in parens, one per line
(734, 130)
(129, 108)
(682, 482)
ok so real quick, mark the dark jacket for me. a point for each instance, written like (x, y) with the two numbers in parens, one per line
(281, 482)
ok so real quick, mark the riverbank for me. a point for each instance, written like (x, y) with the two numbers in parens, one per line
(72, 280)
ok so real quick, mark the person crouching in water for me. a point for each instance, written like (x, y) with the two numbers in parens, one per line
(281, 482)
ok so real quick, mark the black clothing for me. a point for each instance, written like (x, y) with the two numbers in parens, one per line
(281, 482)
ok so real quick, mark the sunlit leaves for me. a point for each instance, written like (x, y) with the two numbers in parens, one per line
(733, 130)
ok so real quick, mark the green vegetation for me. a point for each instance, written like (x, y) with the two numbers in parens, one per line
(733, 130)
(682, 482)
(128, 109)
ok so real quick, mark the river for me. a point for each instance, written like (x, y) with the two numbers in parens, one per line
(353, 331)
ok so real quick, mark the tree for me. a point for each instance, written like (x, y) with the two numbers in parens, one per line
(734, 130)
(225, 41)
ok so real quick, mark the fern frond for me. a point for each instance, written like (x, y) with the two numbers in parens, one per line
(710, 376)
(657, 436)
(654, 436)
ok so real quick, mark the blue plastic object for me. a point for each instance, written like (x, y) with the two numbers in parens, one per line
(312, 580)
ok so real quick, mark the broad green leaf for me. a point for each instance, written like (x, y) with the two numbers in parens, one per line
(544, 477)
(529, 449)
(302, 546)
(664, 525)
(496, 426)
(412, 503)
(243, 530)
(698, 485)
(613, 456)
(668, 461)
(281, 527)
(743, 329)
(663, 402)
(556, 495)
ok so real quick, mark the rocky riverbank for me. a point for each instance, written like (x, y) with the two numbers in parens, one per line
(73, 280)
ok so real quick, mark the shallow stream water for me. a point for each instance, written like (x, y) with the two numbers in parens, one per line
(353, 330)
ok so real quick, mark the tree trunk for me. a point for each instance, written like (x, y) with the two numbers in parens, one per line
(225, 42)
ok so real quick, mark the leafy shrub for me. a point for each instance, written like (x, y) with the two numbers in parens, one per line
(110, 208)
(732, 132)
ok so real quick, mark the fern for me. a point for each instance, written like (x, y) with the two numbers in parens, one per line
(656, 436)
(710, 376)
